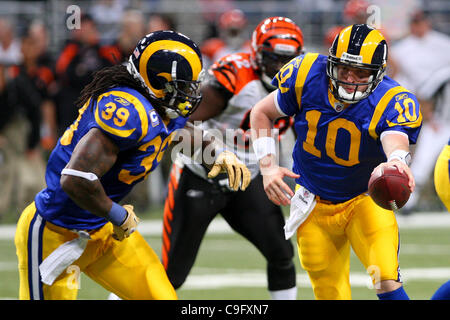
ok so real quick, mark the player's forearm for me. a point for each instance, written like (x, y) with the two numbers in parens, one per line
(393, 142)
(260, 121)
(213, 103)
(262, 117)
(88, 195)
(263, 114)
(261, 124)
(198, 144)
(95, 154)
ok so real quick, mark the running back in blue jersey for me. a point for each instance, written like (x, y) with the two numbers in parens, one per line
(141, 135)
(337, 146)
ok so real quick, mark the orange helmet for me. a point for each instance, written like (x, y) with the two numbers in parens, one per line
(331, 35)
(275, 41)
(232, 19)
(355, 11)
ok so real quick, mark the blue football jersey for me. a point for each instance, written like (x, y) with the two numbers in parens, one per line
(141, 135)
(337, 148)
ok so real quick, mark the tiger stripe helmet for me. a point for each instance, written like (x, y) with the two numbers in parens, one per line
(358, 46)
(169, 65)
(275, 41)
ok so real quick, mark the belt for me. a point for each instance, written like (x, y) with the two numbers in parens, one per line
(324, 201)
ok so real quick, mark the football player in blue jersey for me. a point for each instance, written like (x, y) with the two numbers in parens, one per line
(351, 120)
(128, 118)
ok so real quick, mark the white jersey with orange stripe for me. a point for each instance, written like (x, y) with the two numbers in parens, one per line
(236, 74)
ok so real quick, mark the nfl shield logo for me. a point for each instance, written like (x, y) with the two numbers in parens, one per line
(338, 107)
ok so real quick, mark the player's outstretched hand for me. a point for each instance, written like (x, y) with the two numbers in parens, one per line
(128, 227)
(276, 189)
(238, 173)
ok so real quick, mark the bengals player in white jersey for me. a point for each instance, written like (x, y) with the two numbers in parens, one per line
(236, 82)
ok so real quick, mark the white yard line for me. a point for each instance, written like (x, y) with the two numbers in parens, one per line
(259, 279)
(424, 220)
(8, 266)
(425, 249)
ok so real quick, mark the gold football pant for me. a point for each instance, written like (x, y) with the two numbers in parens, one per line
(129, 268)
(324, 241)
(442, 176)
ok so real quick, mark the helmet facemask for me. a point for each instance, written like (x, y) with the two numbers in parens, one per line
(183, 96)
(271, 59)
(270, 63)
(376, 75)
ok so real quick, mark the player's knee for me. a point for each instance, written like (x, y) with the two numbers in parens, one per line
(281, 274)
(280, 257)
(278, 252)
(314, 262)
(327, 293)
(281, 264)
(330, 286)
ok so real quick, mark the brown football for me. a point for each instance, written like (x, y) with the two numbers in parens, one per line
(389, 189)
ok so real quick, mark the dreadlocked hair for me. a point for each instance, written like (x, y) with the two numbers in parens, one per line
(115, 76)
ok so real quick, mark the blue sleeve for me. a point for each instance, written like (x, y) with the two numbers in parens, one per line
(403, 114)
(285, 80)
(121, 120)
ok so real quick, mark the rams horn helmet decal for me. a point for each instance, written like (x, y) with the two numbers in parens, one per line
(169, 65)
(358, 46)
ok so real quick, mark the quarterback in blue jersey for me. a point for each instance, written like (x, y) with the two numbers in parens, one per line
(351, 120)
(127, 119)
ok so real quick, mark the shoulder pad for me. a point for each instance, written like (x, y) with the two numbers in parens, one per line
(290, 81)
(123, 116)
(233, 71)
(398, 109)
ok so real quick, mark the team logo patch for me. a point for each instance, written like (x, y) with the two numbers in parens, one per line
(122, 101)
(338, 107)
(401, 96)
(154, 119)
(306, 193)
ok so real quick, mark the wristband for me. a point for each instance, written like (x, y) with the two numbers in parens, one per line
(401, 155)
(117, 214)
(264, 146)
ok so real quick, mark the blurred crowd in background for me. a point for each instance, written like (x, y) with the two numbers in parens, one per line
(45, 63)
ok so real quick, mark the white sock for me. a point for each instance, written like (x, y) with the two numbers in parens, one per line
(112, 296)
(285, 294)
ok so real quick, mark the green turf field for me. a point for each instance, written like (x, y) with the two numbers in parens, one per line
(228, 267)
